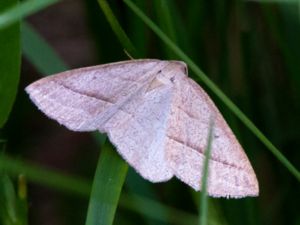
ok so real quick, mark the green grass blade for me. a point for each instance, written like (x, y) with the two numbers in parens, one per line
(152, 209)
(13, 210)
(248, 123)
(288, 50)
(21, 10)
(22, 200)
(49, 178)
(33, 44)
(110, 175)
(116, 27)
(204, 200)
(138, 32)
(8, 199)
(162, 8)
(10, 60)
(136, 185)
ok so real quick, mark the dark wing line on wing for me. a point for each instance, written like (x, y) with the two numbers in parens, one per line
(201, 151)
(101, 98)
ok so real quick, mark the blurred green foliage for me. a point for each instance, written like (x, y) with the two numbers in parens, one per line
(250, 49)
(13, 208)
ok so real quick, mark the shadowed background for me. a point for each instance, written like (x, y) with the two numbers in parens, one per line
(249, 49)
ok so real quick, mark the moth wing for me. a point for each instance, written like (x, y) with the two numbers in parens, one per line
(84, 99)
(230, 172)
(138, 131)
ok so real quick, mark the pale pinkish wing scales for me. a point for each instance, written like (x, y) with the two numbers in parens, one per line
(83, 99)
(230, 172)
(157, 118)
(138, 132)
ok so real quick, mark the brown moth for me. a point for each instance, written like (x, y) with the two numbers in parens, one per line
(157, 118)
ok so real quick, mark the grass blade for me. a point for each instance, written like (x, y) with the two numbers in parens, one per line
(121, 35)
(248, 123)
(136, 186)
(49, 178)
(21, 10)
(33, 44)
(22, 200)
(162, 8)
(8, 210)
(153, 209)
(110, 175)
(10, 60)
(13, 209)
(203, 200)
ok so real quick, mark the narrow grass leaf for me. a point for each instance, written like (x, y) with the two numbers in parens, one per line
(10, 60)
(153, 208)
(33, 44)
(109, 178)
(288, 48)
(137, 185)
(116, 27)
(22, 200)
(12, 206)
(49, 178)
(138, 32)
(162, 8)
(203, 200)
(21, 10)
(8, 199)
(248, 123)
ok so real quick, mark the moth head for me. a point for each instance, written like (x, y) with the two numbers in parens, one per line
(172, 71)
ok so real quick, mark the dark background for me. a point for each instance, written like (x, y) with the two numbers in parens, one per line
(249, 49)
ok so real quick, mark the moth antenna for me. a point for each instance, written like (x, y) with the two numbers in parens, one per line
(127, 53)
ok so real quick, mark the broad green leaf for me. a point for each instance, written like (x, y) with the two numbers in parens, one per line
(10, 60)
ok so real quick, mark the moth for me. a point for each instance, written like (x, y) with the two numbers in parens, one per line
(156, 117)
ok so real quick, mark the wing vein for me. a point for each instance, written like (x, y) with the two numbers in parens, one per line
(98, 97)
(200, 151)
